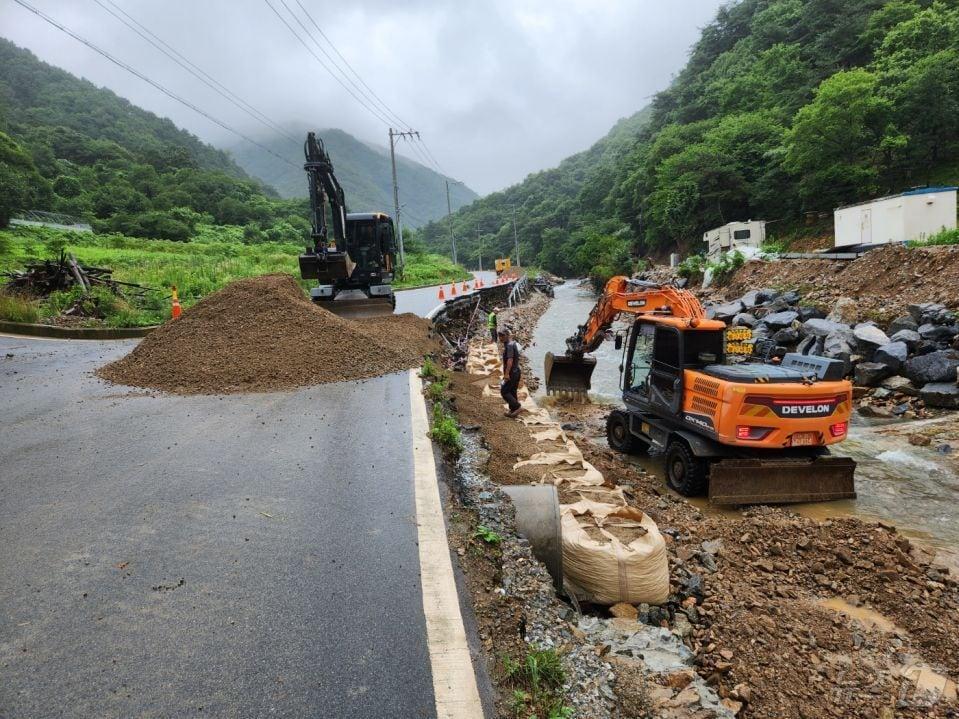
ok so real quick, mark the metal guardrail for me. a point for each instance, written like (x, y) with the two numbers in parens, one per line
(520, 290)
(50, 219)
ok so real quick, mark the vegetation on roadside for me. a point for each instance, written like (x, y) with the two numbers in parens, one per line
(786, 107)
(537, 683)
(488, 535)
(695, 267)
(446, 429)
(217, 256)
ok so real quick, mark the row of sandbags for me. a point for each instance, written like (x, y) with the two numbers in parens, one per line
(611, 552)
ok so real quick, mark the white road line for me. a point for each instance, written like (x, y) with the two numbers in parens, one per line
(454, 681)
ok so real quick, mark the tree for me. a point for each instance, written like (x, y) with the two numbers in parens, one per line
(22, 186)
(841, 142)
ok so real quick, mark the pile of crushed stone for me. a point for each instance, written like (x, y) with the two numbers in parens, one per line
(263, 334)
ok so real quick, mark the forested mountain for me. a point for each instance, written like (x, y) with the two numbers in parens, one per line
(363, 170)
(69, 146)
(784, 106)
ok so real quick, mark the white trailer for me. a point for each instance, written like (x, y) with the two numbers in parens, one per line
(733, 236)
(913, 215)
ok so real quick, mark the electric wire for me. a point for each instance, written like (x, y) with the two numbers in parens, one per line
(153, 83)
(389, 111)
(192, 67)
(379, 116)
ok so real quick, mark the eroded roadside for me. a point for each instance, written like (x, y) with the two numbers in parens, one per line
(780, 615)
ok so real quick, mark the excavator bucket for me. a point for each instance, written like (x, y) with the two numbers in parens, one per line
(568, 375)
(781, 481)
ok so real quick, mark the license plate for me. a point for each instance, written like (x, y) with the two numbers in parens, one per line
(804, 439)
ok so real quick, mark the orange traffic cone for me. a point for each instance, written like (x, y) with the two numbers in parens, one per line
(466, 287)
(175, 310)
(453, 290)
(478, 284)
(441, 295)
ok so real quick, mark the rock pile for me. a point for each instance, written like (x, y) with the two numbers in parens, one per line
(263, 334)
(915, 357)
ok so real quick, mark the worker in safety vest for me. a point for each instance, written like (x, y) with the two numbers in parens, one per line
(491, 324)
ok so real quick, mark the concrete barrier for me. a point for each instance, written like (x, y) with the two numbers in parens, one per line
(74, 333)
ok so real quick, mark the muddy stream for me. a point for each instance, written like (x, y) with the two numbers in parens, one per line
(915, 488)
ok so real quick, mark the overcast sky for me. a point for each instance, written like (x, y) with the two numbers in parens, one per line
(498, 89)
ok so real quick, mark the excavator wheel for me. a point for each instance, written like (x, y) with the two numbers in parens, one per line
(618, 435)
(685, 472)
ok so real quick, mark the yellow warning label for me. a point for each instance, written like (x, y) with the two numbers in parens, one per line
(738, 334)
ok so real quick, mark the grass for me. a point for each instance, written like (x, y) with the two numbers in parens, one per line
(446, 429)
(537, 683)
(17, 309)
(214, 258)
(946, 237)
(488, 535)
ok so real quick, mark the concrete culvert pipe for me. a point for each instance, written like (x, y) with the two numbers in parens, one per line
(538, 520)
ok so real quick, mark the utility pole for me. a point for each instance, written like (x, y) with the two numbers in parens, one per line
(515, 238)
(396, 190)
(479, 249)
(449, 216)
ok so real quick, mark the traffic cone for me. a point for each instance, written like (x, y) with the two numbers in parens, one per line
(175, 309)
(466, 287)
(478, 284)
(453, 290)
(441, 295)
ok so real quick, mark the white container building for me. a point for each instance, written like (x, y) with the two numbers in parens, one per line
(912, 215)
(733, 236)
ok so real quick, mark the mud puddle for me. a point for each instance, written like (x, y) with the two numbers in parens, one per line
(915, 488)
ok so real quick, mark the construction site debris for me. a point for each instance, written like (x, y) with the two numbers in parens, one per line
(263, 334)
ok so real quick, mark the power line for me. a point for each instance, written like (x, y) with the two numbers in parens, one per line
(396, 118)
(289, 27)
(192, 67)
(154, 83)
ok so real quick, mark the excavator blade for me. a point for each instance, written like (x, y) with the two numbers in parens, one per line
(568, 375)
(781, 481)
(355, 309)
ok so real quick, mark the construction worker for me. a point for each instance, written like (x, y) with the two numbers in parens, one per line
(511, 372)
(491, 324)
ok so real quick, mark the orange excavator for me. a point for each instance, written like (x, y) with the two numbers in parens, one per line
(751, 432)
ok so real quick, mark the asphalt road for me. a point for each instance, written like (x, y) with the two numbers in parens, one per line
(424, 299)
(239, 556)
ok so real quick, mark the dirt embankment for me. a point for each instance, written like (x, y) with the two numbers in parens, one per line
(883, 280)
(750, 601)
(263, 334)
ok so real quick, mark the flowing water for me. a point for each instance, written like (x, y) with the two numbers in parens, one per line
(916, 488)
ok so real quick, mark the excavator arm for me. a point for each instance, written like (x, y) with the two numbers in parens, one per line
(571, 373)
(328, 259)
(622, 295)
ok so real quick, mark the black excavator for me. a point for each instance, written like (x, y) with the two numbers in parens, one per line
(356, 265)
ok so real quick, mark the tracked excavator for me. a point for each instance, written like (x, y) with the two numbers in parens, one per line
(355, 265)
(753, 432)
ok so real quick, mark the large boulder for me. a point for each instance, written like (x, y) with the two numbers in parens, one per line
(790, 298)
(821, 328)
(778, 320)
(750, 299)
(925, 311)
(906, 322)
(938, 366)
(845, 310)
(724, 312)
(940, 394)
(869, 374)
(893, 355)
(786, 336)
(809, 313)
(938, 333)
(838, 345)
(868, 336)
(810, 345)
(744, 319)
(910, 337)
(901, 385)
(766, 295)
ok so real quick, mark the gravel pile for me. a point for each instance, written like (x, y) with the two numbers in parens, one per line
(263, 334)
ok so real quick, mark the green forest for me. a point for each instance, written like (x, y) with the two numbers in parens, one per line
(784, 107)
